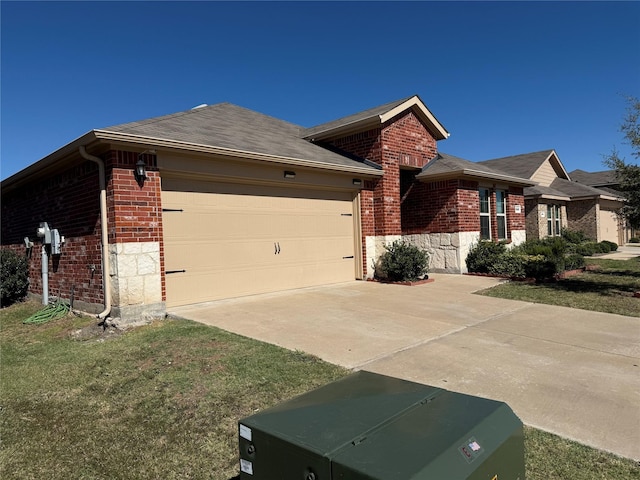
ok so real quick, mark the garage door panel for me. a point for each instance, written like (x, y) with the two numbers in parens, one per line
(609, 226)
(230, 243)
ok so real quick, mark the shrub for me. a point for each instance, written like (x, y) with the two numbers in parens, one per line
(574, 236)
(403, 261)
(483, 255)
(603, 247)
(634, 240)
(14, 277)
(507, 263)
(541, 267)
(586, 249)
(612, 245)
(574, 261)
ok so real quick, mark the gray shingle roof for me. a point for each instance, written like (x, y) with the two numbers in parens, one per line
(354, 118)
(595, 179)
(232, 127)
(567, 188)
(449, 165)
(524, 165)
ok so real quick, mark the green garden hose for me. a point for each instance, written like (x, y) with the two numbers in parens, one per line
(48, 313)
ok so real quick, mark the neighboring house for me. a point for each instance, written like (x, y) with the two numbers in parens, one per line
(556, 202)
(234, 202)
(605, 180)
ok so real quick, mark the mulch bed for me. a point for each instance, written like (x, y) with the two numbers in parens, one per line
(408, 283)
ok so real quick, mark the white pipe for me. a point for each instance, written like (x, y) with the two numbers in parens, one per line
(45, 276)
(106, 284)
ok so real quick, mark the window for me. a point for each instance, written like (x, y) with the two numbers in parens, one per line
(553, 220)
(501, 214)
(485, 217)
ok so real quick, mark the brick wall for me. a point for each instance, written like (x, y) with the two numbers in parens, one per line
(406, 142)
(367, 218)
(582, 215)
(402, 141)
(516, 221)
(446, 206)
(135, 211)
(68, 201)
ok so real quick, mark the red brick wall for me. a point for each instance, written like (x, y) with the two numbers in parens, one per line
(406, 142)
(70, 202)
(367, 218)
(446, 206)
(402, 141)
(135, 211)
(364, 144)
(515, 221)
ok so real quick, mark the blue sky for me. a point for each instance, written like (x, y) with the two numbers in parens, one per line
(503, 77)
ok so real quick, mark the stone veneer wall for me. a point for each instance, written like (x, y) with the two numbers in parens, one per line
(136, 280)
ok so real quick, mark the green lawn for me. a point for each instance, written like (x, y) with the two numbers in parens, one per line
(609, 289)
(162, 402)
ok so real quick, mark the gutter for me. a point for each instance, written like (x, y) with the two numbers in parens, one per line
(133, 139)
(106, 284)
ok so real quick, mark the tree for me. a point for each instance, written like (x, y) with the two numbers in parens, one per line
(628, 174)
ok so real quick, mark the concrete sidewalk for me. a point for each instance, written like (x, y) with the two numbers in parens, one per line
(571, 372)
(624, 252)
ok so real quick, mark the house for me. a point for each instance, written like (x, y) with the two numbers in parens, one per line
(220, 201)
(557, 202)
(606, 180)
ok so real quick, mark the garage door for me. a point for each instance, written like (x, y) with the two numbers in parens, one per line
(225, 240)
(609, 229)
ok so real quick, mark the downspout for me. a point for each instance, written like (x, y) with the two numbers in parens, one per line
(106, 286)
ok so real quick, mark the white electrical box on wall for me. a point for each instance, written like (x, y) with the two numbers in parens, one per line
(56, 242)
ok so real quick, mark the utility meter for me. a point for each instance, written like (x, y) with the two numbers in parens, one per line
(51, 236)
(44, 233)
(56, 242)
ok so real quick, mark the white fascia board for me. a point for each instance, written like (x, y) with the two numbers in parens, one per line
(416, 102)
(564, 170)
(549, 197)
(196, 147)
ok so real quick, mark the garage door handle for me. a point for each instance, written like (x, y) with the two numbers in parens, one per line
(276, 246)
(350, 256)
(174, 271)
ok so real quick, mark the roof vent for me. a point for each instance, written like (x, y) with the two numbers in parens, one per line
(199, 106)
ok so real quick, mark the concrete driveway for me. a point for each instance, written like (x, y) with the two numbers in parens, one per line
(571, 372)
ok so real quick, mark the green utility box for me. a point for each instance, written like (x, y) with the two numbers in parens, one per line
(375, 427)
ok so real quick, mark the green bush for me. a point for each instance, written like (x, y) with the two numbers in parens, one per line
(541, 267)
(509, 264)
(14, 277)
(403, 262)
(574, 236)
(613, 246)
(539, 259)
(574, 261)
(549, 247)
(587, 249)
(483, 255)
(603, 247)
(634, 240)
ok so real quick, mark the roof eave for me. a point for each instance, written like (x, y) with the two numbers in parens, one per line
(471, 174)
(436, 128)
(440, 132)
(132, 139)
(50, 160)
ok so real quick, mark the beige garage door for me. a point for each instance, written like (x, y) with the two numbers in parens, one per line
(609, 229)
(225, 240)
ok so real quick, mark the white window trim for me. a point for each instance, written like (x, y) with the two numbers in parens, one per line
(488, 214)
(503, 214)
